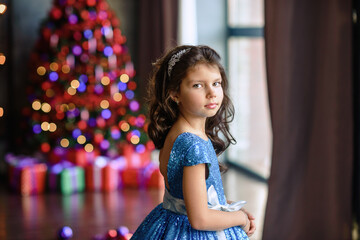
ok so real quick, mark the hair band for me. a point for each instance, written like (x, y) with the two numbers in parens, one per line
(175, 58)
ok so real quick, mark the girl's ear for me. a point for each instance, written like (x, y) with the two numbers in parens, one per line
(174, 96)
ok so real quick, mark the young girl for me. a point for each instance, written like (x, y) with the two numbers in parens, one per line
(189, 108)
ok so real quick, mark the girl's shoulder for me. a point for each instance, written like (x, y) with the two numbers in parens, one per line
(193, 148)
(190, 137)
(186, 141)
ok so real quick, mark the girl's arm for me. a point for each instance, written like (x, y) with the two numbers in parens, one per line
(195, 197)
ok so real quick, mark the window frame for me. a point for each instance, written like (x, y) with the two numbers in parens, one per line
(248, 32)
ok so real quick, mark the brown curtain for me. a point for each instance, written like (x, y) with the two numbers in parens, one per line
(157, 33)
(309, 68)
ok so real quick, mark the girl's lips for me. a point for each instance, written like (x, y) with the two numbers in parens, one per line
(211, 105)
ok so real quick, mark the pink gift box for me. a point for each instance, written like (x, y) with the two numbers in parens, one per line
(103, 174)
(135, 159)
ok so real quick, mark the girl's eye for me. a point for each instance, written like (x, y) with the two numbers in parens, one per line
(198, 85)
(216, 84)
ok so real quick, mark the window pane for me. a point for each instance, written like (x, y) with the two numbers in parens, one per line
(248, 91)
(246, 13)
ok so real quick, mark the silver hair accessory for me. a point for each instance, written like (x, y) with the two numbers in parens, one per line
(175, 58)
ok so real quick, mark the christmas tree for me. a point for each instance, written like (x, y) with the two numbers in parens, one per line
(83, 93)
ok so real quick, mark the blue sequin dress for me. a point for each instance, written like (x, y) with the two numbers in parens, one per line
(161, 223)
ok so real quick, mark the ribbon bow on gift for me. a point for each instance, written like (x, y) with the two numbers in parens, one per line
(213, 203)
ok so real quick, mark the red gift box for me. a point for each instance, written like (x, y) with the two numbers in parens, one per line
(80, 157)
(132, 177)
(57, 155)
(110, 178)
(153, 177)
(28, 179)
(27, 175)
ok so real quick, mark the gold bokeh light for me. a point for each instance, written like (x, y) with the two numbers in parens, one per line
(125, 127)
(2, 59)
(75, 83)
(89, 147)
(104, 104)
(71, 91)
(3, 8)
(105, 80)
(36, 105)
(41, 70)
(64, 107)
(65, 69)
(50, 93)
(54, 66)
(81, 139)
(45, 126)
(134, 139)
(124, 78)
(117, 97)
(52, 127)
(64, 142)
(46, 107)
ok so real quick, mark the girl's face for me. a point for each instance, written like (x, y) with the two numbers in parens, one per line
(201, 94)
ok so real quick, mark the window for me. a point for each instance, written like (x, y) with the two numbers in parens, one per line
(248, 87)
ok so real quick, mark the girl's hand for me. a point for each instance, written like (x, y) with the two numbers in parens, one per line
(246, 226)
(251, 229)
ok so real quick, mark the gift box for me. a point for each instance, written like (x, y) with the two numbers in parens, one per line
(111, 179)
(72, 180)
(57, 155)
(103, 174)
(153, 177)
(93, 176)
(136, 159)
(54, 171)
(133, 177)
(80, 157)
(26, 175)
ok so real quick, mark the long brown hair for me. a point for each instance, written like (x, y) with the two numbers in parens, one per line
(164, 111)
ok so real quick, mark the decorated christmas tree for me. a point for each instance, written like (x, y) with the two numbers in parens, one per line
(82, 92)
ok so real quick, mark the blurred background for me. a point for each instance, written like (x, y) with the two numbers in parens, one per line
(293, 76)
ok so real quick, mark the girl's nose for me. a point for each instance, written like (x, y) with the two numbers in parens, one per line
(211, 92)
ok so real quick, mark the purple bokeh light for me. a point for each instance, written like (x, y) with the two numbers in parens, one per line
(106, 113)
(134, 106)
(77, 50)
(53, 76)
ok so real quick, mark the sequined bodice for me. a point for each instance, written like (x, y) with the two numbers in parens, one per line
(169, 219)
(189, 150)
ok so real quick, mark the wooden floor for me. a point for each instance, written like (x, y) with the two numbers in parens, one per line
(92, 213)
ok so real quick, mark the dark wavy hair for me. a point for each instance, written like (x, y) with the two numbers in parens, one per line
(164, 111)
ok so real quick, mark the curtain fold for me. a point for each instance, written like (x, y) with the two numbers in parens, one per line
(158, 21)
(356, 66)
(309, 69)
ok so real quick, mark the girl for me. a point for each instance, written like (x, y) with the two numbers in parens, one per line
(189, 108)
